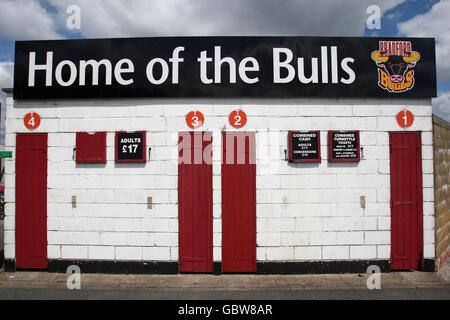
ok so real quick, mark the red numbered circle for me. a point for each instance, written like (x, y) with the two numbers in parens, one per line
(32, 120)
(195, 119)
(237, 118)
(405, 118)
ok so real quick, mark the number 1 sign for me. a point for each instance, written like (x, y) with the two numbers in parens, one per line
(130, 146)
(405, 118)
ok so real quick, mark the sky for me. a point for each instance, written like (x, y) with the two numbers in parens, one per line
(47, 19)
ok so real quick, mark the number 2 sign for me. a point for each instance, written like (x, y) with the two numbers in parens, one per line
(237, 118)
(32, 120)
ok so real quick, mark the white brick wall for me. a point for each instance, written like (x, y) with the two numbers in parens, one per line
(304, 211)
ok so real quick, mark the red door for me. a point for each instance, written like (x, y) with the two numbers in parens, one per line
(238, 202)
(406, 200)
(31, 200)
(195, 204)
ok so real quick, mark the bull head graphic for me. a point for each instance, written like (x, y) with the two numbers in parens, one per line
(396, 65)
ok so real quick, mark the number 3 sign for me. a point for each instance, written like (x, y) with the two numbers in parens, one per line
(32, 120)
(237, 118)
(195, 119)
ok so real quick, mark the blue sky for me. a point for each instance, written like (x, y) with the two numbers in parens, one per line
(46, 19)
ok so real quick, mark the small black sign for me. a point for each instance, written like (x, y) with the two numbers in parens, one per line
(343, 146)
(130, 146)
(304, 146)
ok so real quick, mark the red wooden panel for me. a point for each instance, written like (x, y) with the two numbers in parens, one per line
(195, 205)
(31, 200)
(91, 148)
(406, 201)
(238, 202)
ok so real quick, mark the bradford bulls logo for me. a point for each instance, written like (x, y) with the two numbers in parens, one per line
(395, 61)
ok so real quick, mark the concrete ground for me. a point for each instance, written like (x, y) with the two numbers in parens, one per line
(394, 285)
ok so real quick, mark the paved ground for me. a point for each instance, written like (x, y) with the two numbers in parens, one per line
(394, 285)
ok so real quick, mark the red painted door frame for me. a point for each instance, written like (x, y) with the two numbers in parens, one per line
(406, 200)
(238, 202)
(195, 205)
(31, 200)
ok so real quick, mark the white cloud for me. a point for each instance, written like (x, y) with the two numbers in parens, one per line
(433, 23)
(442, 104)
(119, 18)
(26, 20)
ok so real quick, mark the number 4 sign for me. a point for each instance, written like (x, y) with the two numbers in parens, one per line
(237, 118)
(32, 120)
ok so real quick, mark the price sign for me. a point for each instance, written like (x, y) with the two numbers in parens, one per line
(195, 119)
(32, 120)
(405, 118)
(304, 146)
(237, 118)
(343, 146)
(130, 146)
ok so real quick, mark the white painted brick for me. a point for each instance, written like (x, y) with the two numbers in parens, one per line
(101, 252)
(279, 253)
(260, 253)
(140, 239)
(124, 224)
(308, 253)
(10, 251)
(429, 251)
(294, 238)
(363, 252)
(377, 237)
(166, 239)
(155, 224)
(309, 224)
(366, 110)
(337, 224)
(74, 252)
(53, 252)
(384, 223)
(428, 194)
(128, 253)
(217, 253)
(156, 253)
(339, 110)
(428, 237)
(335, 252)
(113, 238)
(383, 252)
(322, 238)
(353, 237)
(268, 239)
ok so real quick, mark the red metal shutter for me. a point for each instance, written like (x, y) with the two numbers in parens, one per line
(91, 148)
(31, 200)
(195, 204)
(238, 202)
(406, 201)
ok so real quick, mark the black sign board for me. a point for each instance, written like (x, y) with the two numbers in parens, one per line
(304, 146)
(130, 146)
(343, 146)
(263, 67)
